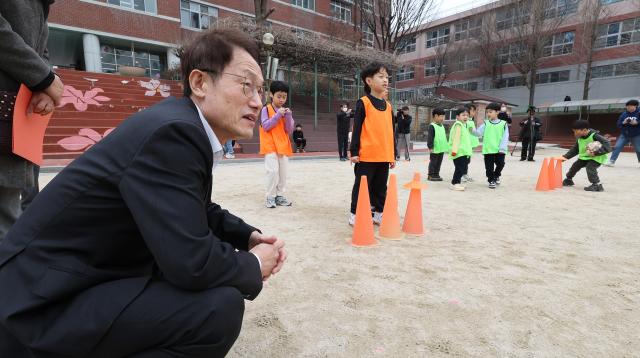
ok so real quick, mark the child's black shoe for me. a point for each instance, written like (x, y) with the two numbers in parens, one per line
(567, 182)
(594, 187)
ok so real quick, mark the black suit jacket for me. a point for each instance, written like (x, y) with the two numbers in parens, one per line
(133, 208)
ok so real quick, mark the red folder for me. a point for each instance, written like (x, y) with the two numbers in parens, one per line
(28, 129)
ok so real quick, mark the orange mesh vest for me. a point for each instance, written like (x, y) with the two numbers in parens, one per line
(376, 139)
(276, 140)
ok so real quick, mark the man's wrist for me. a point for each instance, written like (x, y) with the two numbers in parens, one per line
(259, 262)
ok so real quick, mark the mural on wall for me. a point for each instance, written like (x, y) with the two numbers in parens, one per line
(85, 139)
(155, 87)
(80, 100)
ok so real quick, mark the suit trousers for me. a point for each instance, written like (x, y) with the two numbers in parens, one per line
(163, 322)
(493, 165)
(9, 209)
(377, 174)
(276, 166)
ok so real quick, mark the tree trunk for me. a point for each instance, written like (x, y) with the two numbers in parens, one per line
(587, 76)
(532, 85)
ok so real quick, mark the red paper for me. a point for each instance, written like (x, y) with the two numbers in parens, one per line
(28, 129)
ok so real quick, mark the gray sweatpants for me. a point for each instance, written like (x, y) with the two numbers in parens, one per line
(592, 170)
(9, 209)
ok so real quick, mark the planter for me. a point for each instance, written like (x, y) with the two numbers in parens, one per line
(131, 71)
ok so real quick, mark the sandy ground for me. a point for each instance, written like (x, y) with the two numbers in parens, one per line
(505, 273)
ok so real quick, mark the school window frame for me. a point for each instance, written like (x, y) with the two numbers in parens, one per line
(367, 36)
(466, 61)
(508, 16)
(559, 44)
(553, 77)
(509, 53)
(618, 33)
(405, 73)
(467, 86)
(467, 28)
(508, 82)
(341, 10)
(305, 4)
(150, 6)
(560, 8)
(407, 45)
(437, 37)
(367, 5)
(197, 16)
(616, 69)
(433, 67)
(112, 57)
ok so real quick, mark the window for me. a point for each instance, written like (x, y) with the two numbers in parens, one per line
(407, 45)
(406, 95)
(467, 29)
(405, 73)
(433, 67)
(341, 10)
(467, 86)
(367, 5)
(466, 61)
(438, 37)
(114, 57)
(618, 33)
(509, 53)
(618, 69)
(142, 5)
(511, 16)
(509, 82)
(559, 44)
(367, 36)
(560, 8)
(607, 2)
(197, 16)
(552, 77)
(307, 4)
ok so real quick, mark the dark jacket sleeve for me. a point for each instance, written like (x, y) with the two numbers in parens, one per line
(21, 61)
(572, 152)
(228, 227)
(606, 145)
(431, 133)
(165, 188)
(358, 120)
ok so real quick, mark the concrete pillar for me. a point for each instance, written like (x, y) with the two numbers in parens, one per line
(173, 60)
(91, 46)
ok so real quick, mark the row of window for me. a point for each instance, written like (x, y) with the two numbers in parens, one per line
(541, 78)
(113, 57)
(614, 70)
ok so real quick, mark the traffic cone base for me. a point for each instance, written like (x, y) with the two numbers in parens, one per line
(413, 225)
(390, 225)
(363, 227)
(543, 177)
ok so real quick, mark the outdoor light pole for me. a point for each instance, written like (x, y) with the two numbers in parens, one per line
(267, 40)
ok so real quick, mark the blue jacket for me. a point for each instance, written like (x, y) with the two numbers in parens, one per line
(627, 129)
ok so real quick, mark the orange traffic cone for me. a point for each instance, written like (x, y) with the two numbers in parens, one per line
(557, 174)
(551, 172)
(413, 216)
(363, 227)
(390, 226)
(543, 178)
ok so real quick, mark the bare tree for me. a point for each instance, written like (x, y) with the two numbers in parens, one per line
(592, 12)
(529, 26)
(393, 20)
(262, 12)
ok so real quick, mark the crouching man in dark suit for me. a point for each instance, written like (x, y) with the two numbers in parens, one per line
(123, 254)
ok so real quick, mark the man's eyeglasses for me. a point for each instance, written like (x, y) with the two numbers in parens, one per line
(249, 89)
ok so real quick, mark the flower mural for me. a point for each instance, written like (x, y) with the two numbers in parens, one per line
(80, 100)
(85, 139)
(155, 87)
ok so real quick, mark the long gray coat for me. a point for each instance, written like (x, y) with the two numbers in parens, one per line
(23, 53)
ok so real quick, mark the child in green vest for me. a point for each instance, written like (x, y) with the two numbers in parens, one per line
(495, 139)
(460, 144)
(590, 156)
(437, 143)
(471, 126)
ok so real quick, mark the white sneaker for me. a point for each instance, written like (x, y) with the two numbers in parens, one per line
(498, 181)
(352, 219)
(229, 156)
(467, 179)
(271, 203)
(609, 164)
(377, 218)
(457, 187)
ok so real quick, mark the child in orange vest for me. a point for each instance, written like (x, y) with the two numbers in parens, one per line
(372, 142)
(276, 125)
